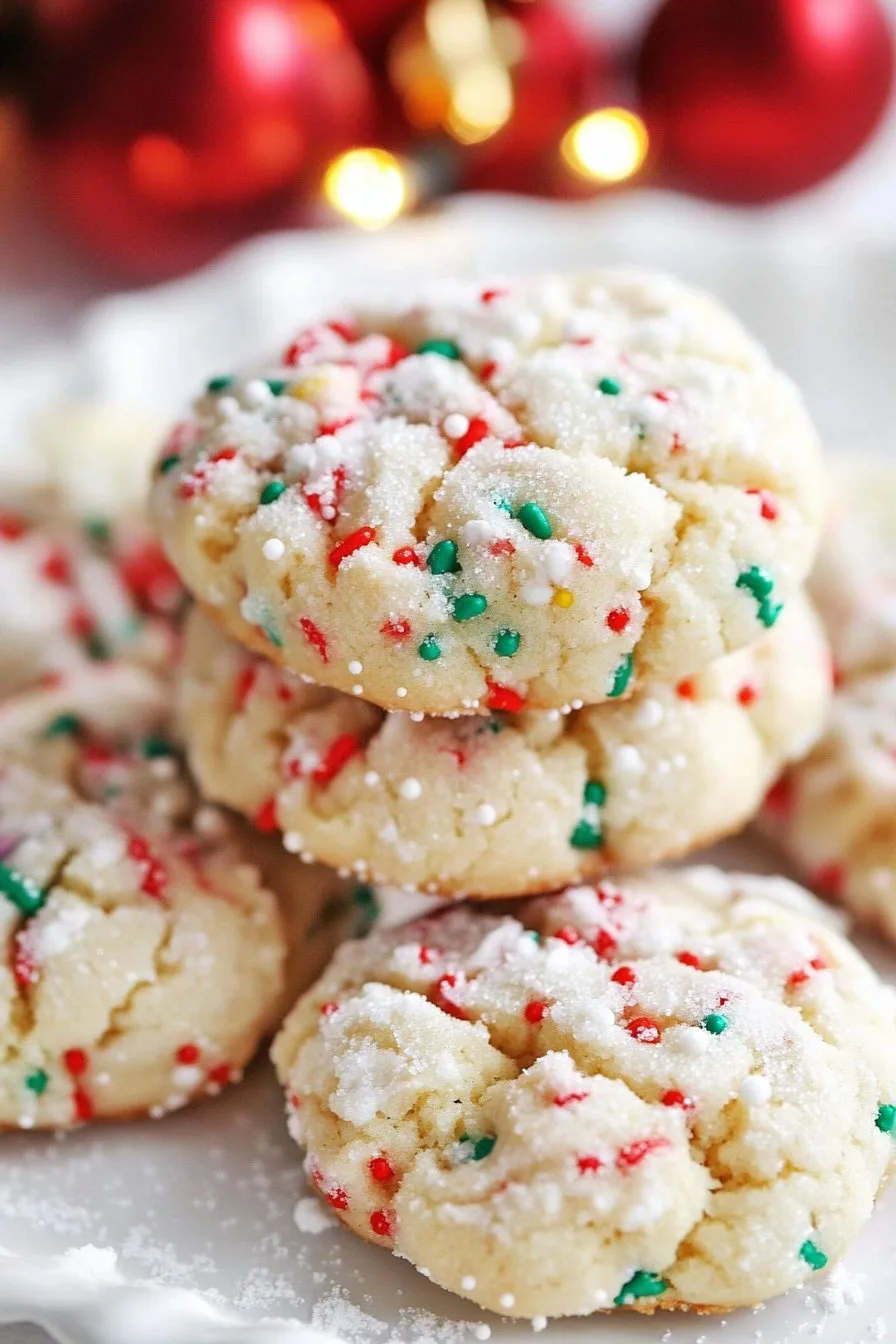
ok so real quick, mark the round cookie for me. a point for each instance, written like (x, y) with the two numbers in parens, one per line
(854, 580)
(834, 814)
(528, 495)
(611, 1097)
(143, 945)
(73, 596)
(511, 803)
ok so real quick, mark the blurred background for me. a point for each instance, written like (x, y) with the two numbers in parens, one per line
(140, 139)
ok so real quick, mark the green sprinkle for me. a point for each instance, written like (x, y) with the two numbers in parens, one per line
(98, 530)
(769, 612)
(504, 505)
(535, 520)
(273, 490)
(611, 387)
(273, 634)
(442, 559)
(430, 649)
(277, 385)
(219, 384)
(641, 1284)
(368, 908)
(621, 677)
(154, 746)
(595, 792)
(97, 647)
(757, 581)
(64, 725)
(813, 1257)
(168, 463)
(716, 1023)
(450, 349)
(886, 1118)
(36, 1082)
(24, 894)
(467, 606)
(481, 1147)
(586, 836)
(507, 642)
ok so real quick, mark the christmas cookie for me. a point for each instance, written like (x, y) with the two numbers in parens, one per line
(854, 581)
(536, 495)
(71, 596)
(678, 1091)
(510, 803)
(144, 947)
(835, 813)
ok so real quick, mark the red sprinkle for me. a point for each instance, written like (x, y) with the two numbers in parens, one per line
(315, 637)
(82, 1104)
(346, 331)
(623, 975)
(675, 1098)
(155, 878)
(220, 1075)
(779, 798)
(336, 757)
(75, 1062)
(187, 1054)
(266, 817)
(314, 499)
(396, 629)
(337, 1198)
(645, 1030)
(747, 695)
(81, 623)
(568, 1099)
(504, 698)
(245, 684)
(588, 1163)
(686, 689)
(568, 935)
(381, 1170)
(355, 541)
(582, 556)
(504, 546)
(11, 527)
(488, 370)
(618, 619)
(426, 955)
(381, 1223)
(56, 567)
(489, 295)
(829, 877)
(223, 455)
(24, 969)
(806, 972)
(689, 959)
(442, 1001)
(636, 1152)
(328, 1009)
(604, 944)
(535, 1010)
(768, 505)
(406, 555)
(477, 430)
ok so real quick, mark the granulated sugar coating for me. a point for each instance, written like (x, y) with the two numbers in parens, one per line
(498, 498)
(504, 804)
(671, 1092)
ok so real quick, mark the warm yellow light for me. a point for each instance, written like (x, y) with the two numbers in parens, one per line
(369, 186)
(481, 102)
(609, 145)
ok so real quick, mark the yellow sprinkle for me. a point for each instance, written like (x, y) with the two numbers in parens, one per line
(563, 598)
(309, 387)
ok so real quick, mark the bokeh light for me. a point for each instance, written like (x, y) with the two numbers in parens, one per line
(608, 145)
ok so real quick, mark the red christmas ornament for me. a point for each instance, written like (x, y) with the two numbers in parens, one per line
(171, 130)
(558, 71)
(369, 21)
(752, 102)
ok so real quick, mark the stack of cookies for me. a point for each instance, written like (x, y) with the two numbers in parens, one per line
(498, 598)
(499, 590)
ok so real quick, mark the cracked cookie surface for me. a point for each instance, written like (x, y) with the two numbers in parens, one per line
(533, 495)
(507, 804)
(674, 1091)
(145, 954)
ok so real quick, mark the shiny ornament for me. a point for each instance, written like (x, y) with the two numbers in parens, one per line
(751, 102)
(171, 130)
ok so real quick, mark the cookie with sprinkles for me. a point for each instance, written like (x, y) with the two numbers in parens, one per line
(151, 941)
(674, 1092)
(526, 495)
(72, 595)
(511, 803)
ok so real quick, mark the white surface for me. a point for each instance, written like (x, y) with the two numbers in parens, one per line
(204, 1200)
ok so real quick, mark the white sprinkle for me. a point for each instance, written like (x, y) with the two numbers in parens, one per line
(693, 1041)
(256, 392)
(357, 689)
(629, 761)
(163, 767)
(482, 1331)
(26, 1122)
(356, 667)
(649, 713)
(186, 1076)
(401, 692)
(227, 407)
(417, 716)
(292, 842)
(410, 789)
(506, 1300)
(539, 1323)
(424, 1272)
(208, 821)
(535, 593)
(455, 425)
(484, 815)
(371, 779)
(311, 1217)
(755, 1090)
(468, 1283)
(273, 549)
